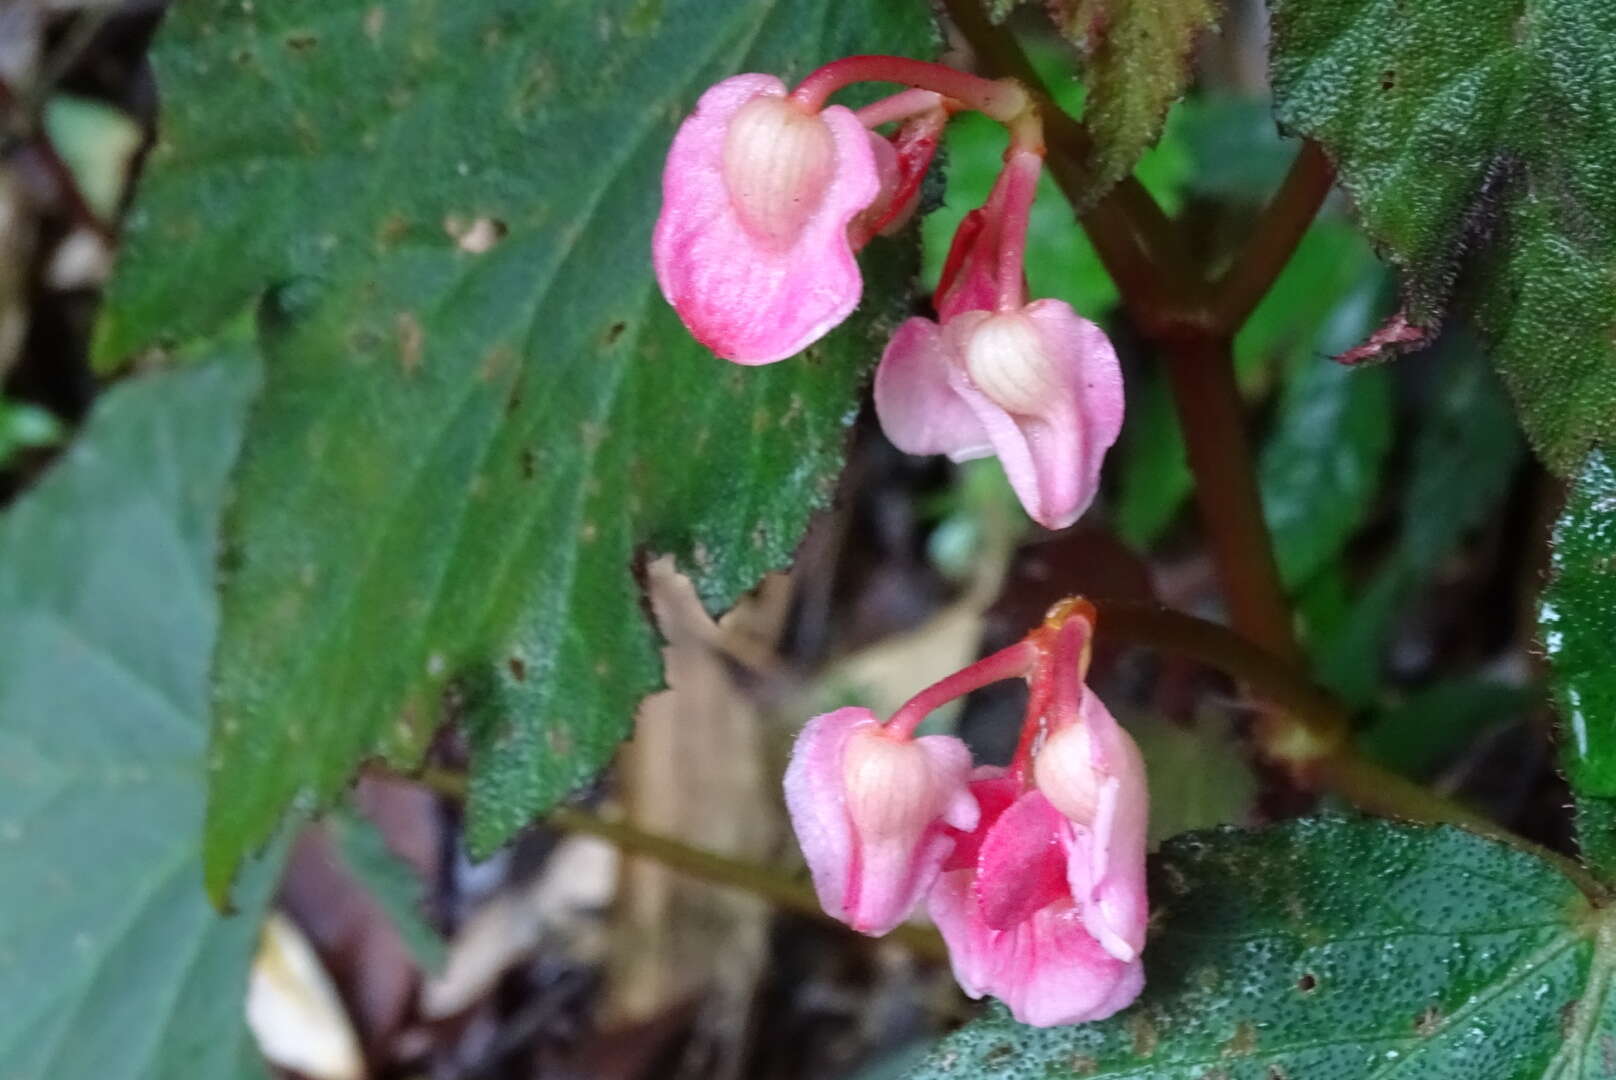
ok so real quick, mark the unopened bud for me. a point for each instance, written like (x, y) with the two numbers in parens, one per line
(778, 162)
(1064, 770)
(1005, 359)
(890, 787)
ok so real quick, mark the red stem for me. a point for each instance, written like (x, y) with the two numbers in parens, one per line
(1011, 663)
(1274, 238)
(1003, 101)
(1211, 414)
(1021, 172)
(1031, 723)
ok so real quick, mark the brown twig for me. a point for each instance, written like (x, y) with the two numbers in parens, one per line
(1273, 239)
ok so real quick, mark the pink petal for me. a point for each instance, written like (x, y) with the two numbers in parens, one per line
(748, 301)
(1106, 868)
(816, 799)
(1049, 971)
(952, 906)
(1022, 863)
(1052, 458)
(915, 399)
(993, 792)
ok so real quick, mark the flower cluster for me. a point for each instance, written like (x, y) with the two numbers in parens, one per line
(768, 195)
(1034, 873)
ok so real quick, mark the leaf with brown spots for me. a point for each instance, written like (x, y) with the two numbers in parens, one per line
(479, 413)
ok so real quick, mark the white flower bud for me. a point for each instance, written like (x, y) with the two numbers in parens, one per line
(1065, 773)
(778, 161)
(1005, 358)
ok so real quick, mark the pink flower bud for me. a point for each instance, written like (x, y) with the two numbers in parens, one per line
(1039, 387)
(875, 813)
(752, 246)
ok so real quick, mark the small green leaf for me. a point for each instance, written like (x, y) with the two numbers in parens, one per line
(1343, 948)
(112, 963)
(1320, 469)
(479, 412)
(1577, 623)
(391, 882)
(1137, 56)
(23, 427)
(1474, 139)
(97, 143)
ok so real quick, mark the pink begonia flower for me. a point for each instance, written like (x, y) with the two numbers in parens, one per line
(1035, 384)
(752, 247)
(1040, 387)
(876, 814)
(1043, 905)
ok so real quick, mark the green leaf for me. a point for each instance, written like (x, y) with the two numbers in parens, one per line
(1473, 136)
(1466, 449)
(1577, 623)
(1595, 822)
(1417, 735)
(1320, 469)
(479, 412)
(390, 880)
(1342, 948)
(112, 963)
(1137, 56)
(1154, 475)
(24, 427)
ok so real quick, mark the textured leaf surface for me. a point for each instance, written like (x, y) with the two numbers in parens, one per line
(112, 962)
(1137, 56)
(478, 410)
(1338, 949)
(1474, 137)
(1577, 623)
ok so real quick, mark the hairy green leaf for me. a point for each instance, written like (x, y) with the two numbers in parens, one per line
(1577, 622)
(1137, 56)
(1343, 948)
(479, 413)
(112, 963)
(1474, 138)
